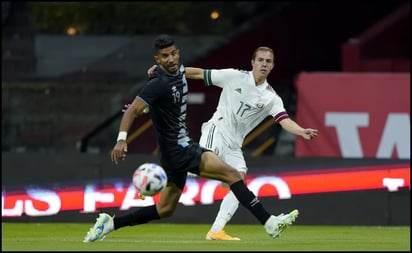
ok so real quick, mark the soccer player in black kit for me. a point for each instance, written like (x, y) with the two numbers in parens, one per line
(165, 96)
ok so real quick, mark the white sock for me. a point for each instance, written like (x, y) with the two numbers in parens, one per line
(227, 208)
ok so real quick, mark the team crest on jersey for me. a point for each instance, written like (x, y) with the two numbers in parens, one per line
(260, 105)
(239, 90)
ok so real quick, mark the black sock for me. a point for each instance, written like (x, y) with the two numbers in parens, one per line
(141, 216)
(250, 201)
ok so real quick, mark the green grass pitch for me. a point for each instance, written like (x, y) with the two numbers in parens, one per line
(190, 237)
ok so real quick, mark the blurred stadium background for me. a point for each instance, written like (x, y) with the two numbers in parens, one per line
(69, 67)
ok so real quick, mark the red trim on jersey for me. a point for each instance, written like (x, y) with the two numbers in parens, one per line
(280, 116)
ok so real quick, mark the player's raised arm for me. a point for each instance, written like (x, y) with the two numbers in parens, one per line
(194, 73)
(191, 72)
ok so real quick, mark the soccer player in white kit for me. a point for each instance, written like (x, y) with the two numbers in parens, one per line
(245, 101)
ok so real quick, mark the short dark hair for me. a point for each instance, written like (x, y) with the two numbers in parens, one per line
(163, 41)
(267, 49)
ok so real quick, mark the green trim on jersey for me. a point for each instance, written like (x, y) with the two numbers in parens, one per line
(207, 77)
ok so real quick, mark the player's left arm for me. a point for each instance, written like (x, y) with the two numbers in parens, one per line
(294, 128)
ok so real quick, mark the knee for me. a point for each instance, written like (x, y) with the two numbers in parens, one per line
(236, 175)
(165, 211)
(232, 177)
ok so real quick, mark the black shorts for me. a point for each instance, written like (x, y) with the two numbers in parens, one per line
(179, 160)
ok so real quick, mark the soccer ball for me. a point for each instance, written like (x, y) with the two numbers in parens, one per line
(149, 179)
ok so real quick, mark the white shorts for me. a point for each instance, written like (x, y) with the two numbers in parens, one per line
(214, 140)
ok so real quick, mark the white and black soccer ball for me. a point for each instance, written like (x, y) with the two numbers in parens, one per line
(149, 179)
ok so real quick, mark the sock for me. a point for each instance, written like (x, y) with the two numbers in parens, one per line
(249, 200)
(228, 207)
(141, 216)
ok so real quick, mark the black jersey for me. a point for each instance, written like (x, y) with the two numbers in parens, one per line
(166, 95)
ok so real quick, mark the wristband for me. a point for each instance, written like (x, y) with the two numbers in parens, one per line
(122, 136)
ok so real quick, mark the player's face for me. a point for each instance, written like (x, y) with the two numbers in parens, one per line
(168, 58)
(263, 64)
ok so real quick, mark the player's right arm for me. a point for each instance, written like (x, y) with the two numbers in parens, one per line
(191, 72)
(194, 73)
(133, 111)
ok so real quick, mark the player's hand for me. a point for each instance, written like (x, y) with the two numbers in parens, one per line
(309, 133)
(146, 110)
(125, 107)
(119, 151)
(151, 70)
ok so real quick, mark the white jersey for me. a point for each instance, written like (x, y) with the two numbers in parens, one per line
(242, 104)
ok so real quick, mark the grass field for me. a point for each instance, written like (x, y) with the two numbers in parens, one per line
(188, 237)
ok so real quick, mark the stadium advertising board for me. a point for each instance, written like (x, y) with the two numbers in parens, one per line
(35, 201)
(359, 115)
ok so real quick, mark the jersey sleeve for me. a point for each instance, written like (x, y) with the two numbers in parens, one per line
(151, 91)
(278, 110)
(219, 77)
